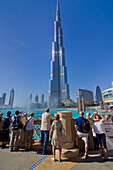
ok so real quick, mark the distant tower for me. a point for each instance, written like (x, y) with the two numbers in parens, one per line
(3, 98)
(11, 98)
(30, 98)
(98, 95)
(58, 86)
(42, 98)
(36, 98)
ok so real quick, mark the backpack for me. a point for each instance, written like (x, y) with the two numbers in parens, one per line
(24, 128)
(16, 124)
(6, 123)
(85, 126)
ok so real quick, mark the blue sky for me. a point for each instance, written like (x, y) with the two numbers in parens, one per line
(26, 35)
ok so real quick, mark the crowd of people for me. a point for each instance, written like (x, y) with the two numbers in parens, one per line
(93, 124)
(22, 124)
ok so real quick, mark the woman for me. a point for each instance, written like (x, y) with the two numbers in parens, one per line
(100, 133)
(29, 131)
(56, 135)
(23, 131)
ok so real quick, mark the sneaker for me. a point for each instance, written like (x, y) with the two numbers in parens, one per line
(53, 159)
(60, 160)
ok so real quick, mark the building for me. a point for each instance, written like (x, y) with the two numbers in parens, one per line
(3, 98)
(35, 104)
(108, 97)
(11, 98)
(42, 98)
(58, 85)
(36, 98)
(85, 97)
(98, 95)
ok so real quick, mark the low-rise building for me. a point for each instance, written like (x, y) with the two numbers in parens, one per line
(108, 97)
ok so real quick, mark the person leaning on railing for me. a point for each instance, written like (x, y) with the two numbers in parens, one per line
(29, 131)
(45, 128)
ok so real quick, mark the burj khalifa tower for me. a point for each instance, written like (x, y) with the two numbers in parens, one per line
(58, 85)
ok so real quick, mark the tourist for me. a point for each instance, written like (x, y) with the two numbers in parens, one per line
(29, 131)
(6, 129)
(82, 131)
(16, 125)
(100, 133)
(56, 135)
(1, 121)
(95, 140)
(90, 136)
(45, 128)
(23, 130)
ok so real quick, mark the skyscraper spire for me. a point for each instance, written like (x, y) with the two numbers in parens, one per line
(57, 5)
(58, 12)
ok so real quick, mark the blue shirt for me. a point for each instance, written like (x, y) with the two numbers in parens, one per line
(79, 123)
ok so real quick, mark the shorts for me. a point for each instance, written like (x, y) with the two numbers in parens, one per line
(84, 136)
(28, 136)
(102, 139)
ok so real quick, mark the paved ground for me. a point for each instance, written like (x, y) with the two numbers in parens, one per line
(18, 160)
(25, 161)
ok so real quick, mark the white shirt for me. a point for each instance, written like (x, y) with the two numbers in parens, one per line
(30, 124)
(98, 127)
(45, 123)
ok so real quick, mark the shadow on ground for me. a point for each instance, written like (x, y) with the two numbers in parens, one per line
(93, 157)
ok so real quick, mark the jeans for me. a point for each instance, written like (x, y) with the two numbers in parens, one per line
(44, 139)
(101, 139)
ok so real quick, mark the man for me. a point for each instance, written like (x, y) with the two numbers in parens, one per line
(45, 128)
(6, 129)
(16, 126)
(1, 121)
(80, 132)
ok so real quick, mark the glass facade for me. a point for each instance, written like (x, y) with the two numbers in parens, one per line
(98, 95)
